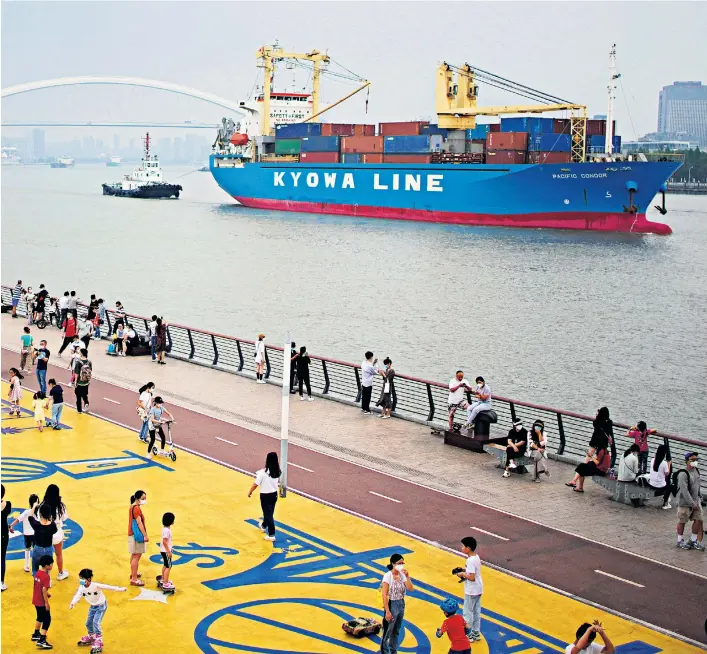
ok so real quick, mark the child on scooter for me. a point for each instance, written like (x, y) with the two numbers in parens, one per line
(158, 416)
(92, 592)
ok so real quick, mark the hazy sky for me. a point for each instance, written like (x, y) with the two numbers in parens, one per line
(559, 47)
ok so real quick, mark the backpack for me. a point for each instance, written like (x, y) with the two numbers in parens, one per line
(86, 372)
(674, 487)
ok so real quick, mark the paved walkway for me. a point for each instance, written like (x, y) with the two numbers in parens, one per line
(395, 447)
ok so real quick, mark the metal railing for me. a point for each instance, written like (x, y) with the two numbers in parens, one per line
(419, 400)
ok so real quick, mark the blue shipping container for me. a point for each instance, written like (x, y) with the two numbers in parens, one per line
(320, 144)
(433, 130)
(350, 157)
(298, 130)
(478, 132)
(412, 144)
(597, 141)
(549, 143)
(529, 125)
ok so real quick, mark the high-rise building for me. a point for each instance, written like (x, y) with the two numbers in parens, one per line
(682, 110)
(116, 144)
(39, 144)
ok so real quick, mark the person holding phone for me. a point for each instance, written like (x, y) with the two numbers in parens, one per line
(584, 640)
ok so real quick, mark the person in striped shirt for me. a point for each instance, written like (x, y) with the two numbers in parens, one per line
(16, 295)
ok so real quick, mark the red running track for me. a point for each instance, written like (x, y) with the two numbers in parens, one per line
(544, 555)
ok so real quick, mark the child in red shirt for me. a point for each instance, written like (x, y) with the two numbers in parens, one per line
(40, 599)
(455, 627)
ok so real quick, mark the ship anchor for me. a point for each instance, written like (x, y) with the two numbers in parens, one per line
(662, 208)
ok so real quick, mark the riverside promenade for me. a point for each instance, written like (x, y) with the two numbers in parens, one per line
(403, 477)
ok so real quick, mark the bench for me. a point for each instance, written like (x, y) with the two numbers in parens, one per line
(499, 451)
(625, 492)
(467, 440)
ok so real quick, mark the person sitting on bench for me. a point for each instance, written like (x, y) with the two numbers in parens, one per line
(517, 444)
(628, 466)
(132, 340)
(482, 393)
(596, 463)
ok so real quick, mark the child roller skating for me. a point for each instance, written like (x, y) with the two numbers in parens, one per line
(455, 627)
(163, 581)
(92, 592)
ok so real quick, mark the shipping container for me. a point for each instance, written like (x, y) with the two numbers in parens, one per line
(338, 129)
(401, 129)
(319, 157)
(433, 129)
(412, 144)
(351, 158)
(476, 147)
(456, 135)
(596, 143)
(507, 141)
(478, 132)
(370, 158)
(454, 146)
(548, 143)
(367, 144)
(287, 146)
(320, 144)
(561, 126)
(298, 130)
(597, 127)
(495, 127)
(461, 158)
(505, 156)
(364, 130)
(529, 125)
(548, 157)
(406, 158)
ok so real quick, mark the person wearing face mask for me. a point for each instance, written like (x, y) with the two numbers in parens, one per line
(482, 393)
(385, 401)
(517, 444)
(689, 499)
(92, 592)
(396, 583)
(538, 444)
(137, 536)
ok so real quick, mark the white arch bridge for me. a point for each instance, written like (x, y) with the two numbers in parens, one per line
(124, 81)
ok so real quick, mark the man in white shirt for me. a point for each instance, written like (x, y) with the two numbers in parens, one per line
(73, 303)
(482, 393)
(456, 400)
(63, 307)
(585, 640)
(368, 374)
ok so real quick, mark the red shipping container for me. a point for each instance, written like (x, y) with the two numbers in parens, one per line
(548, 157)
(507, 141)
(401, 129)
(337, 129)
(363, 144)
(364, 130)
(505, 156)
(319, 157)
(596, 127)
(372, 158)
(495, 127)
(561, 126)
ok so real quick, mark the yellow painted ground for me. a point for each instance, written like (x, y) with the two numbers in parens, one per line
(320, 570)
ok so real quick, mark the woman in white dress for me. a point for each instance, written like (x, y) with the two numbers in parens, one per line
(259, 359)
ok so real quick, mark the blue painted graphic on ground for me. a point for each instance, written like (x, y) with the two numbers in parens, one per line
(183, 554)
(16, 548)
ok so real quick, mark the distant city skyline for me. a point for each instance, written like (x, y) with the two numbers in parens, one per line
(682, 110)
(397, 50)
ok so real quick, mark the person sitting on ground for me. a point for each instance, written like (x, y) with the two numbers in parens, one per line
(584, 640)
(659, 474)
(482, 402)
(517, 444)
(456, 400)
(538, 445)
(628, 465)
(596, 463)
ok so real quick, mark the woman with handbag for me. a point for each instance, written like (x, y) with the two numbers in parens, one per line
(137, 536)
(385, 401)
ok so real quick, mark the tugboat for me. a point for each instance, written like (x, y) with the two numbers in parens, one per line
(145, 181)
(63, 162)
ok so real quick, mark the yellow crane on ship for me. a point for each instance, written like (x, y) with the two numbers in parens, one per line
(456, 107)
(268, 55)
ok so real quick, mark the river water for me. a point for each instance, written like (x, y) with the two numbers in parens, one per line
(570, 320)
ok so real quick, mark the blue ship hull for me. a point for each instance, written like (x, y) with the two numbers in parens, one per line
(588, 196)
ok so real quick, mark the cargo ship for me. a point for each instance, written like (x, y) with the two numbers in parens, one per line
(113, 162)
(63, 162)
(145, 182)
(529, 172)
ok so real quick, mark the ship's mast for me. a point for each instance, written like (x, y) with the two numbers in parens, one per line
(147, 146)
(613, 76)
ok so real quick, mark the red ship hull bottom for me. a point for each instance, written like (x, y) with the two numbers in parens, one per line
(576, 220)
